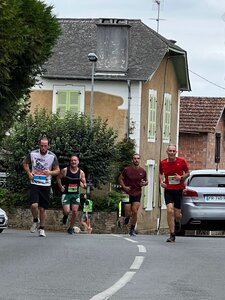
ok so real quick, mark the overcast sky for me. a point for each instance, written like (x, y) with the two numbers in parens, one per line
(198, 26)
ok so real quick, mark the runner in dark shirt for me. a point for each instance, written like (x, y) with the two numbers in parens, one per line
(69, 181)
(132, 179)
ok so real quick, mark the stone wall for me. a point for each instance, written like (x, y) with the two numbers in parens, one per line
(102, 222)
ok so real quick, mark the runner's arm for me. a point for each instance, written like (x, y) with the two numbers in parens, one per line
(83, 182)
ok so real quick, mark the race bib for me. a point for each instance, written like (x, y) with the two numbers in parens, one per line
(125, 198)
(172, 180)
(39, 178)
(73, 188)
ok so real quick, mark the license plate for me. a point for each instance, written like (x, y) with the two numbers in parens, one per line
(215, 198)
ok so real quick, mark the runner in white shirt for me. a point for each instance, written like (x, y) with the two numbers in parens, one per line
(44, 164)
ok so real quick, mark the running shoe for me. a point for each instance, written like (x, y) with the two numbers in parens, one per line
(64, 220)
(42, 232)
(34, 227)
(132, 232)
(171, 239)
(70, 230)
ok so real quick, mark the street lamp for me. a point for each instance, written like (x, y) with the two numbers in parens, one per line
(93, 58)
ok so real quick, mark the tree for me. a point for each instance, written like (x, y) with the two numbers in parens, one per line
(28, 34)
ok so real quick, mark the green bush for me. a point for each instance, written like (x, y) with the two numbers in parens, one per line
(73, 134)
(107, 203)
(9, 200)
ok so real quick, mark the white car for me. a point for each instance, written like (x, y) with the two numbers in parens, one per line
(203, 203)
(3, 220)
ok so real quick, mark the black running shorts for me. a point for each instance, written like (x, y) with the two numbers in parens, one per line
(40, 195)
(133, 199)
(173, 196)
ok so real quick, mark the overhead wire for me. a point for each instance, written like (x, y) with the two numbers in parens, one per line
(211, 82)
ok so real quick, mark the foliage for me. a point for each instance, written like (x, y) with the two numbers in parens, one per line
(73, 134)
(125, 150)
(28, 34)
(107, 203)
(9, 200)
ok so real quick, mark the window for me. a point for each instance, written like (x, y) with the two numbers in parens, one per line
(68, 98)
(163, 204)
(166, 118)
(152, 110)
(207, 180)
(112, 47)
(149, 189)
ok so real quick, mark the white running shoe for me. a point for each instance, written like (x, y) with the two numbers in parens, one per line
(42, 232)
(34, 227)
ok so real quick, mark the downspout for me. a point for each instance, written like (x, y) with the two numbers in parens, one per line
(178, 120)
(128, 109)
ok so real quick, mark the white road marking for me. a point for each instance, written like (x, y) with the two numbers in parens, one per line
(117, 235)
(141, 248)
(126, 277)
(137, 262)
(114, 288)
(130, 240)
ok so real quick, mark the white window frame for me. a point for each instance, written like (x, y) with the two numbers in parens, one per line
(152, 115)
(68, 88)
(167, 117)
(163, 204)
(149, 189)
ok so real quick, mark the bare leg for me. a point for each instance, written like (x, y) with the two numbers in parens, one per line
(170, 217)
(134, 208)
(74, 214)
(127, 210)
(34, 210)
(177, 214)
(66, 210)
(42, 216)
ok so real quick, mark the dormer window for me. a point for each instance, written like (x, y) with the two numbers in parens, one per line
(112, 45)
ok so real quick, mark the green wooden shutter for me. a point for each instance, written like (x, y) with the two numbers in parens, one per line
(68, 101)
(166, 118)
(61, 102)
(152, 115)
(74, 101)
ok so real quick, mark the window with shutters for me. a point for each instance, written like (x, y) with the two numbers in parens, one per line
(152, 110)
(68, 98)
(166, 118)
(148, 199)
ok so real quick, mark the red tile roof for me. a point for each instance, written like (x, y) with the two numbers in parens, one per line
(200, 114)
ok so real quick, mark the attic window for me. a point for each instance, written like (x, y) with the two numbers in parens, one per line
(112, 47)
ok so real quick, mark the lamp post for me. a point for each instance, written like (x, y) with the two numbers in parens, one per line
(93, 58)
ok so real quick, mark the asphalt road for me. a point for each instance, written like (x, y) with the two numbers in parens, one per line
(97, 267)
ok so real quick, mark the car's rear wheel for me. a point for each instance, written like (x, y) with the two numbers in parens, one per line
(1, 230)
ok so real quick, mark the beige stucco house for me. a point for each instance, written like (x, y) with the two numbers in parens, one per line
(138, 78)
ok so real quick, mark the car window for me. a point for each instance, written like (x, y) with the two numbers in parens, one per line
(207, 181)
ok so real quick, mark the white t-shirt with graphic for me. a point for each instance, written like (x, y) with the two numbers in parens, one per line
(40, 163)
